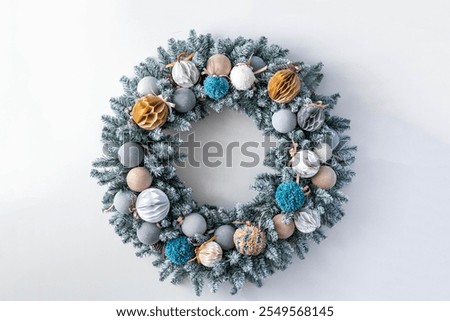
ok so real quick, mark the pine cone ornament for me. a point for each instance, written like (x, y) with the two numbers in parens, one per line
(150, 112)
(284, 85)
(311, 117)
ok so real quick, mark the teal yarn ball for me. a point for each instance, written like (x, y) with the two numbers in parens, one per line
(289, 196)
(216, 87)
(179, 250)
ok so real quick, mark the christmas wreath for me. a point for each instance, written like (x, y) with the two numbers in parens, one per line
(154, 210)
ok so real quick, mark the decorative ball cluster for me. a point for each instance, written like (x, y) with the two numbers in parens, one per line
(155, 210)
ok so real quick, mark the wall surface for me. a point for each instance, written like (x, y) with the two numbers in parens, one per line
(61, 62)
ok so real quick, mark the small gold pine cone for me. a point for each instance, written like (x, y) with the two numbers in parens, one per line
(150, 112)
(284, 85)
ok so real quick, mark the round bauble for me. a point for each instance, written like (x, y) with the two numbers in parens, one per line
(179, 250)
(218, 65)
(332, 138)
(184, 100)
(124, 202)
(249, 240)
(138, 179)
(307, 220)
(289, 196)
(284, 230)
(284, 85)
(147, 86)
(310, 117)
(209, 253)
(242, 77)
(216, 87)
(323, 151)
(185, 73)
(284, 120)
(306, 163)
(224, 236)
(152, 205)
(325, 178)
(150, 112)
(257, 63)
(148, 233)
(130, 154)
(194, 224)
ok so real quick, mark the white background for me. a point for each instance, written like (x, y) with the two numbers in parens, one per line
(61, 61)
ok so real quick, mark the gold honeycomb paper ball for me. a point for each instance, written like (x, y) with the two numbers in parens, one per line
(150, 112)
(284, 85)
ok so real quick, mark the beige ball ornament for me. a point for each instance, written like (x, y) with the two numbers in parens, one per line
(218, 65)
(209, 253)
(139, 179)
(325, 177)
(284, 230)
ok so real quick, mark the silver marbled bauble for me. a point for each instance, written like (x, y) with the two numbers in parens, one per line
(209, 253)
(307, 220)
(224, 236)
(332, 138)
(306, 163)
(148, 233)
(310, 117)
(185, 73)
(130, 154)
(152, 205)
(184, 100)
(323, 150)
(257, 63)
(193, 223)
(284, 120)
(124, 201)
(147, 86)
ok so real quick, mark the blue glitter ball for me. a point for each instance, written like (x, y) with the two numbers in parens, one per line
(289, 196)
(179, 250)
(216, 87)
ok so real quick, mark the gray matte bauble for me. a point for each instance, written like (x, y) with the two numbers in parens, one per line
(148, 233)
(147, 86)
(332, 138)
(224, 236)
(310, 118)
(194, 224)
(284, 121)
(257, 63)
(184, 100)
(131, 154)
(124, 201)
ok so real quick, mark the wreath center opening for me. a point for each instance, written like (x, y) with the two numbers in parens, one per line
(225, 151)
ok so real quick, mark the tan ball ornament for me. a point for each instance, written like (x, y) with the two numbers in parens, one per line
(150, 112)
(284, 85)
(284, 230)
(325, 177)
(139, 179)
(218, 65)
(249, 240)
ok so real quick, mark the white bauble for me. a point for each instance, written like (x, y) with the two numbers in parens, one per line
(306, 220)
(242, 77)
(147, 86)
(152, 205)
(306, 163)
(185, 73)
(324, 151)
(209, 253)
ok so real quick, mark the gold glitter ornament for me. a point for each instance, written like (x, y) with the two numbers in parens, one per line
(150, 112)
(284, 85)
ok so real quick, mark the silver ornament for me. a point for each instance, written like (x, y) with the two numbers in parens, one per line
(148, 233)
(257, 63)
(209, 253)
(124, 201)
(310, 117)
(147, 86)
(130, 154)
(283, 121)
(224, 236)
(194, 224)
(185, 73)
(324, 152)
(306, 220)
(152, 205)
(184, 100)
(242, 77)
(306, 163)
(332, 138)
